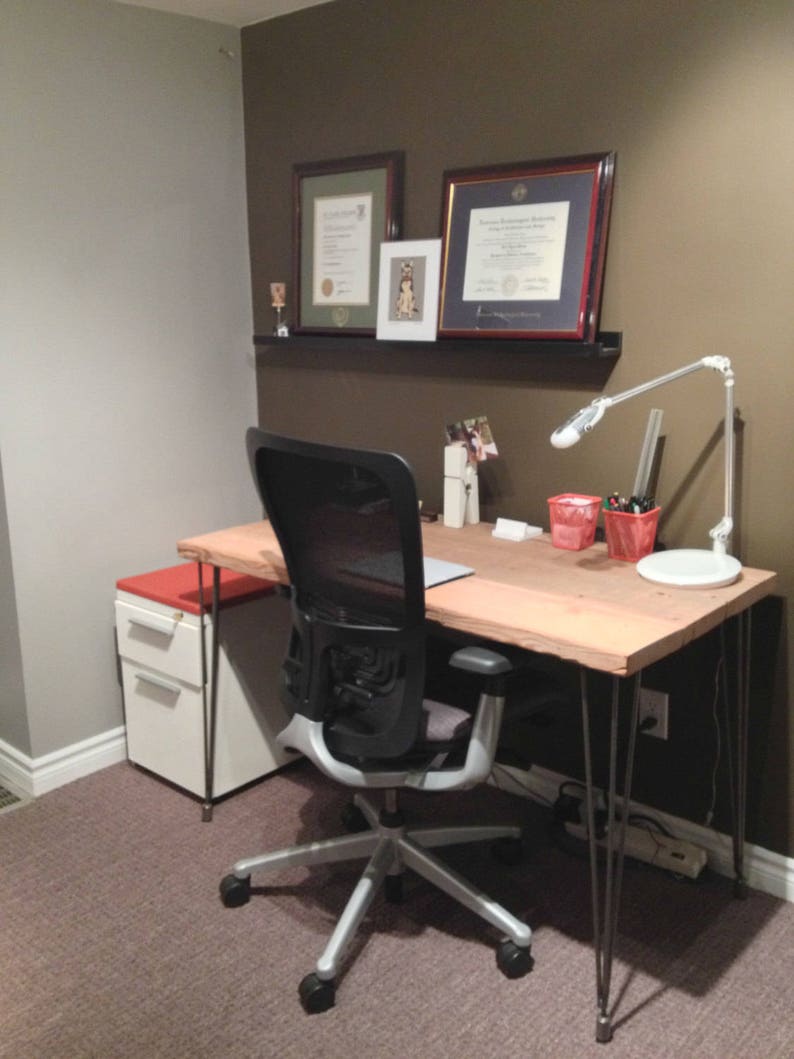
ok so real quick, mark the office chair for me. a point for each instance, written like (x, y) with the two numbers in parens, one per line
(354, 675)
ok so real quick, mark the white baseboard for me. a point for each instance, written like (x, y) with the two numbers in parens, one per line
(772, 873)
(35, 776)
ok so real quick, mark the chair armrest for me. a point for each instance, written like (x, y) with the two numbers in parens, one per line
(481, 660)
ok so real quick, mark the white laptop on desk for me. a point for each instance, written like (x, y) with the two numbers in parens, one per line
(388, 569)
(437, 571)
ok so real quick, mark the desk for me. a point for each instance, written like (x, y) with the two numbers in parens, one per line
(582, 607)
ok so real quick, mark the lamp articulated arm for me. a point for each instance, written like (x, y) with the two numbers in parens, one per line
(585, 419)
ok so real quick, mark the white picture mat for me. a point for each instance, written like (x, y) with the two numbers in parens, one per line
(425, 256)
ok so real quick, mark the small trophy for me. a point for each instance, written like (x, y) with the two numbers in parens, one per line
(278, 294)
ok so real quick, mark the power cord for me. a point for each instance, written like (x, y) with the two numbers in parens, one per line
(531, 794)
(650, 824)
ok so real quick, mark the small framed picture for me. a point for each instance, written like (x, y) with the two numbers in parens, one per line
(408, 290)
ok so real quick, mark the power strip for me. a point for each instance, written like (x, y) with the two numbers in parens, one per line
(675, 854)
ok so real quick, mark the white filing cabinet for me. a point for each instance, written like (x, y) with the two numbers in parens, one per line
(159, 643)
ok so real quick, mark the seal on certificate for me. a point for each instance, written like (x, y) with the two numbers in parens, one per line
(327, 287)
(509, 285)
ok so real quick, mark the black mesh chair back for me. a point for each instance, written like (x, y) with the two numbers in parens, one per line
(348, 525)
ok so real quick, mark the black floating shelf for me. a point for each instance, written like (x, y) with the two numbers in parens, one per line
(608, 345)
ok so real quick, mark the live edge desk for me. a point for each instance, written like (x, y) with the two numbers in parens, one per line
(578, 606)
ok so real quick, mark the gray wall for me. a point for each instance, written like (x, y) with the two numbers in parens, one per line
(13, 715)
(126, 368)
(696, 99)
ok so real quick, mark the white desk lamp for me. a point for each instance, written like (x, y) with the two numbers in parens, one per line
(682, 566)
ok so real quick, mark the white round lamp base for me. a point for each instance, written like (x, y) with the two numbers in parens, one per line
(690, 568)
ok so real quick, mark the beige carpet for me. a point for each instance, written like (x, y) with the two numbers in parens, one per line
(114, 942)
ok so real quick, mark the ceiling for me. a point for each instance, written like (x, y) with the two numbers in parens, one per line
(231, 12)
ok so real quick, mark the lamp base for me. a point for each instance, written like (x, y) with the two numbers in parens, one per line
(690, 568)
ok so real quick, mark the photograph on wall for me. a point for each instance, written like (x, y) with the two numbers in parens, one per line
(408, 290)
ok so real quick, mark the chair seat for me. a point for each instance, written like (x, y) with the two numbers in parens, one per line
(443, 723)
(443, 730)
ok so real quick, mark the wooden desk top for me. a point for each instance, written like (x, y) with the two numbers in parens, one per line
(579, 606)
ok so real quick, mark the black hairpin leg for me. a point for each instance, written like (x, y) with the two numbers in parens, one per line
(605, 923)
(209, 706)
(737, 747)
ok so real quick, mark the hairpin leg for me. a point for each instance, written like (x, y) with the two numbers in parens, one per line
(737, 745)
(209, 709)
(604, 940)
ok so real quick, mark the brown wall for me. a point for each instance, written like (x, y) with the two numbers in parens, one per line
(697, 99)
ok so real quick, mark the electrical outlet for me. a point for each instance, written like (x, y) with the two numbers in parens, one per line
(654, 706)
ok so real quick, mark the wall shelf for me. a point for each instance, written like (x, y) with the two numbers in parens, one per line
(607, 346)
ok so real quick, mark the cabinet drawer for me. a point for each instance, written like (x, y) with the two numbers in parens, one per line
(161, 639)
(164, 726)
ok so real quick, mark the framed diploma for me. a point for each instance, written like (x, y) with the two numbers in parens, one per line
(343, 211)
(523, 248)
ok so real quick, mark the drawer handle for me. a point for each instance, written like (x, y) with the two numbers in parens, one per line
(159, 682)
(156, 624)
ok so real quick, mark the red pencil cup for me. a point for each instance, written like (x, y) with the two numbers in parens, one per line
(630, 537)
(573, 520)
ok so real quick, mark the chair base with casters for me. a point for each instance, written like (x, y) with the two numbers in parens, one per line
(390, 847)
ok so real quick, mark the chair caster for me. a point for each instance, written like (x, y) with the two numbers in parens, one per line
(353, 820)
(512, 961)
(235, 892)
(317, 995)
(508, 851)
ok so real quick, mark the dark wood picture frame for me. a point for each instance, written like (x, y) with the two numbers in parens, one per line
(342, 211)
(523, 248)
